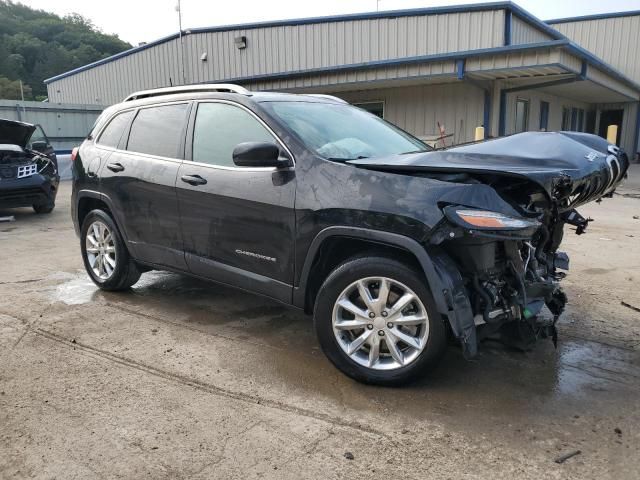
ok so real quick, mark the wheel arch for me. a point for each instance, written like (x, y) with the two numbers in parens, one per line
(88, 200)
(443, 277)
(314, 270)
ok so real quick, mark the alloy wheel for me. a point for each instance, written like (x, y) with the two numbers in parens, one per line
(380, 323)
(101, 250)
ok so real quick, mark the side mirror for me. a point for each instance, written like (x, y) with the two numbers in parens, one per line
(40, 146)
(259, 154)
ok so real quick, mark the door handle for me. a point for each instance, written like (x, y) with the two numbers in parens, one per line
(115, 167)
(194, 180)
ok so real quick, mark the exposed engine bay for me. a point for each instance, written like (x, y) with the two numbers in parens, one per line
(16, 162)
(501, 252)
(28, 170)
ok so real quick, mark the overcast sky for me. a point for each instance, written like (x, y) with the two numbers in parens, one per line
(145, 20)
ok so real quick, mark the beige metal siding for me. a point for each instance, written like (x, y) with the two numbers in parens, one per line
(282, 49)
(615, 40)
(459, 107)
(109, 83)
(523, 32)
(65, 125)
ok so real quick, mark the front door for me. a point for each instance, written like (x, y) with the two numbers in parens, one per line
(237, 223)
(139, 178)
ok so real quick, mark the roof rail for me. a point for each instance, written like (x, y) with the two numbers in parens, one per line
(329, 97)
(212, 87)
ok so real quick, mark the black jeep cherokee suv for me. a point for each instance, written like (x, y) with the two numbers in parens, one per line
(392, 246)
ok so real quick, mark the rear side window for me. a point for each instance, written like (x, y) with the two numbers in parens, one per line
(112, 134)
(157, 130)
(219, 128)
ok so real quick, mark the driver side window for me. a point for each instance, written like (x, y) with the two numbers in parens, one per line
(38, 136)
(219, 128)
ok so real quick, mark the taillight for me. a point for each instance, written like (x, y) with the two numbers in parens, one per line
(74, 154)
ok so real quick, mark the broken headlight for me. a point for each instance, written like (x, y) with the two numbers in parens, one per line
(475, 219)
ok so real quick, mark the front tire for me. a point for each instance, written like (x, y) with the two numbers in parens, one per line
(376, 321)
(43, 209)
(104, 253)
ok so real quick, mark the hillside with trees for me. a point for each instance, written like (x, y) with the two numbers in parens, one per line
(35, 45)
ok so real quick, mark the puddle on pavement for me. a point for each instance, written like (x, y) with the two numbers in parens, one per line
(77, 291)
(501, 381)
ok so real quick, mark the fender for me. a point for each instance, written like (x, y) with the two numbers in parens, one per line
(443, 278)
(103, 198)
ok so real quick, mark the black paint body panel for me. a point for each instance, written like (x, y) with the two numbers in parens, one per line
(259, 230)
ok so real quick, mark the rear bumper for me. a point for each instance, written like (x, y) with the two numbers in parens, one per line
(25, 192)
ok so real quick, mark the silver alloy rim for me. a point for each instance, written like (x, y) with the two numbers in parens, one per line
(380, 323)
(101, 250)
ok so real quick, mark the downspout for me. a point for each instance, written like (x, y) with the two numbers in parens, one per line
(637, 132)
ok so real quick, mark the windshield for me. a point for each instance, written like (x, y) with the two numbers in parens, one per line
(343, 132)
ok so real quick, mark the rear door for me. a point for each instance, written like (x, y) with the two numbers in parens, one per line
(237, 222)
(139, 178)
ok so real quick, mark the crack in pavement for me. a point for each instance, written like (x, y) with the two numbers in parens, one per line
(207, 387)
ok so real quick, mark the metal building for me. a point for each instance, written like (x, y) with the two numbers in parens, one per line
(433, 70)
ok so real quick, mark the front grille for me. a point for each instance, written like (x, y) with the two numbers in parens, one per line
(27, 170)
(19, 193)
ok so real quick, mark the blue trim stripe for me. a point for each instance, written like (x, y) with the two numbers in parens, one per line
(508, 16)
(598, 16)
(502, 115)
(460, 68)
(509, 7)
(63, 152)
(486, 119)
(396, 62)
(637, 132)
(477, 7)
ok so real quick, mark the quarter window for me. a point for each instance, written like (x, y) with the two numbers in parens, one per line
(112, 134)
(157, 130)
(219, 128)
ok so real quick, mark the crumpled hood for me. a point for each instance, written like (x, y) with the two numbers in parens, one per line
(15, 133)
(565, 164)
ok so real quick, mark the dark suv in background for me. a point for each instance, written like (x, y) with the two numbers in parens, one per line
(28, 167)
(305, 199)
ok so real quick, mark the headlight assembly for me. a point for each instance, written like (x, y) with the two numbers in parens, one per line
(471, 218)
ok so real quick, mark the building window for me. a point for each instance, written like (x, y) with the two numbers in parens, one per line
(580, 126)
(566, 119)
(544, 116)
(574, 119)
(522, 115)
(377, 108)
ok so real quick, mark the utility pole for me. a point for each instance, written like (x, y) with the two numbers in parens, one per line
(179, 10)
(21, 91)
(377, 5)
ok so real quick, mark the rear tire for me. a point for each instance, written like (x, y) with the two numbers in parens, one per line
(42, 209)
(104, 253)
(395, 335)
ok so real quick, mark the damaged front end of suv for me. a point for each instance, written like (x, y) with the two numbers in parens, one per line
(496, 247)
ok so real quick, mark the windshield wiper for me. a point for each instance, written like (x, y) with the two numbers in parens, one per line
(359, 157)
(415, 151)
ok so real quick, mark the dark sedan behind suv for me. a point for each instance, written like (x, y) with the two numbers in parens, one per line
(392, 246)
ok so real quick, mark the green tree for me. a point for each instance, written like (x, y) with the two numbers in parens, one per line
(10, 89)
(35, 45)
